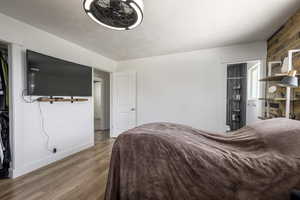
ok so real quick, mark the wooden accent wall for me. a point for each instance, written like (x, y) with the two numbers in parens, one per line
(286, 38)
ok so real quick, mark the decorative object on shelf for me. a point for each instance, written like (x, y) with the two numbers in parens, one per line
(272, 89)
(272, 92)
(118, 15)
(290, 80)
(285, 65)
(237, 87)
(236, 97)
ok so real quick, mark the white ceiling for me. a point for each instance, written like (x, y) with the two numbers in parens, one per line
(170, 26)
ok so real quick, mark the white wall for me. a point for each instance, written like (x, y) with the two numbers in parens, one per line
(188, 88)
(70, 126)
(29, 37)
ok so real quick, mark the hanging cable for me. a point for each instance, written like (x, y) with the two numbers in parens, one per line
(44, 129)
(45, 134)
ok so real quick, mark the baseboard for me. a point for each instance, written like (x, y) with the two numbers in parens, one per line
(48, 160)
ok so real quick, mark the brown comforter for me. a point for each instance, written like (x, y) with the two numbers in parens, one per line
(164, 161)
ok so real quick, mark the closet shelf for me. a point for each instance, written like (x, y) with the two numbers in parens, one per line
(277, 99)
(236, 78)
(277, 77)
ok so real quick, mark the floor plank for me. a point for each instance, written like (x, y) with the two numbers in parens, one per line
(81, 177)
(102, 135)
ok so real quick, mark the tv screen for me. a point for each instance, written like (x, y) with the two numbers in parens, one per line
(48, 76)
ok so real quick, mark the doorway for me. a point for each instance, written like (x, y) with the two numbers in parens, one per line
(253, 106)
(243, 91)
(236, 96)
(101, 96)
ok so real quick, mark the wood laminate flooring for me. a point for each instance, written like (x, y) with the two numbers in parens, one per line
(79, 177)
(101, 136)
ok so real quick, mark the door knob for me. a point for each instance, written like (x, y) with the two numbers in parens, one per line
(132, 109)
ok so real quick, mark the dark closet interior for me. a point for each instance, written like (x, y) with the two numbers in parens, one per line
(5, 153)
(236, 96)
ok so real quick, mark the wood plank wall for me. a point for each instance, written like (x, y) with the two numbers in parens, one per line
(285, 39)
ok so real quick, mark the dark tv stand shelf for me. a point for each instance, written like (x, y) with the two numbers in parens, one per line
(52, 100)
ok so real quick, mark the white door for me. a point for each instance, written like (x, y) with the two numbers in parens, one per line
(124, 97)
(252, 112)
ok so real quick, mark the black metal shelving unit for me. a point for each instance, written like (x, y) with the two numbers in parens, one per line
(236, 96)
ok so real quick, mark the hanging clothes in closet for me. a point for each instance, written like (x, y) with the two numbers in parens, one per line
(5, 154)
(4, 82)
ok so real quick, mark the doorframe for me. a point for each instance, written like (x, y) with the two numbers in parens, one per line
(259, 105)
(258, 65)
(96, 79)
(110, 102)
(111, 109)
(263, 71)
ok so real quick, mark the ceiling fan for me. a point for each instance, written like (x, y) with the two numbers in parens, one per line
(115, 14)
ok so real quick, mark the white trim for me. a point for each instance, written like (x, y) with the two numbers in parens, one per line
(241, 60)
(92, 100)
(111, 105)
(249, 77)
(10, 107)
(104, 87)
(16, 62)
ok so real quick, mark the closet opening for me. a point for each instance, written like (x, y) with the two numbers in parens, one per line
(243, 94)
(5, 143)
(101, 96)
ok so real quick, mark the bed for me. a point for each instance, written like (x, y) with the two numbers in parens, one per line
(164, 161)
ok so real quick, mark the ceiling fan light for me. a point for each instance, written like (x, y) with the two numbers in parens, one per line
(139, 14)
(107, 26)
(87, 4)
(115, 14)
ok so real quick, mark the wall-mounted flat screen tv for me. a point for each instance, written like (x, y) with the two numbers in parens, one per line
(48, 76)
